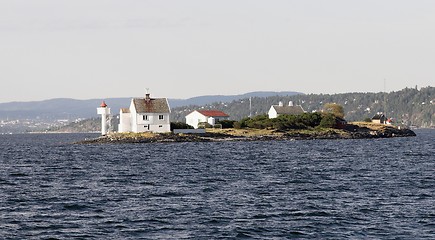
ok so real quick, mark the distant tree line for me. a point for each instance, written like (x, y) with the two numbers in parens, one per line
(408, 106)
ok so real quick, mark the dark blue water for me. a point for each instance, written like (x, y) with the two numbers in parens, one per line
(318, 189)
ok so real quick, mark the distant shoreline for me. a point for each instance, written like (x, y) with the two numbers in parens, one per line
(354, 131)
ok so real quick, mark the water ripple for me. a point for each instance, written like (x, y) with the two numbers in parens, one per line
(344, 189)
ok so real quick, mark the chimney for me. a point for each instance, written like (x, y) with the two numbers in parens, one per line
(280, 104)
(147, 97)
(290, 104)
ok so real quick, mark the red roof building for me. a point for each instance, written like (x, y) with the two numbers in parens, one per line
(213, 113)
(205, 116)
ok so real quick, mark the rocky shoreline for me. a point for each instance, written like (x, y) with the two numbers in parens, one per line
(351, 132)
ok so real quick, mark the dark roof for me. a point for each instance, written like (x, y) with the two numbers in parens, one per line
(213, 113)
(125, 110)
(152, 105)
(288, 109)
(378, 116)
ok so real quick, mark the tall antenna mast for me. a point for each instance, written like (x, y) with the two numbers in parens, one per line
(385, 98)
(250, 107)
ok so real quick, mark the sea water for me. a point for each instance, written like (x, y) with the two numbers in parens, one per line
(314, 189)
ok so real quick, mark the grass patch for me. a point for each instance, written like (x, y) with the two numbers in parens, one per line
(372, 126)
(132, 135)
(244, 132)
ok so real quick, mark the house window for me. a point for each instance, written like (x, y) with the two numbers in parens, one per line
(160, 117)
(160, 126)
(145, 117)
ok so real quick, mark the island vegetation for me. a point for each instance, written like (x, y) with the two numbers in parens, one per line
(328, 124)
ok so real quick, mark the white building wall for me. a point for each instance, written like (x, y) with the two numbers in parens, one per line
(152, 122)
(124, 122)
(161, 125)
(133, 119)
(272, 112)
(194, 118)
(211, 121)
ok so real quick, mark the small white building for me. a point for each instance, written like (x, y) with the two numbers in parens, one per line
(280, 109)
(145, 115)
(208, 116)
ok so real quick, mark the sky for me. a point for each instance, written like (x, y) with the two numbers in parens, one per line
(86, 49)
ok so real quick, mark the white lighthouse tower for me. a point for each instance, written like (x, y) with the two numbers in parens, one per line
(104, 111)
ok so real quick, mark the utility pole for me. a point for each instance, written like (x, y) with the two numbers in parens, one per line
(385, 98)
(250, 107)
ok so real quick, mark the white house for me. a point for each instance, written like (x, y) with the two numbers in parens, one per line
(145, 115)
(208, 116)
(280, 109)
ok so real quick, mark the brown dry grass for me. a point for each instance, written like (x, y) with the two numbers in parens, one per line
(258, 132)
(243, 132)
(269, 132)
(133, 135)
(371, 126)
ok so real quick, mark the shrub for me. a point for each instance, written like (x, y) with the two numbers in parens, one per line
(180, 125)
(227, 123)
(287, 122)
(204, 125)
(259, 122)
(244, 122)
(282, 122)
(328, 121)
(311, 119)
(367, 119)
(237, 125)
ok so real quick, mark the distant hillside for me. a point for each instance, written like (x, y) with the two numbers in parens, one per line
(59, 108)
(408, 106)
(63, 108)
(203, 100)
(87, 125)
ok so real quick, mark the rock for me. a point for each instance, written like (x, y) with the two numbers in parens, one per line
(351, 132)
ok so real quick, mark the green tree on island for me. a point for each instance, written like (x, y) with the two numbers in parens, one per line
(336, 109)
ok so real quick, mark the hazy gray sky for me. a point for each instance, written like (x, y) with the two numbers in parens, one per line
(178, 49)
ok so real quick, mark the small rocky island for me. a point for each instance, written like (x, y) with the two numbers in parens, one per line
(356, 130)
